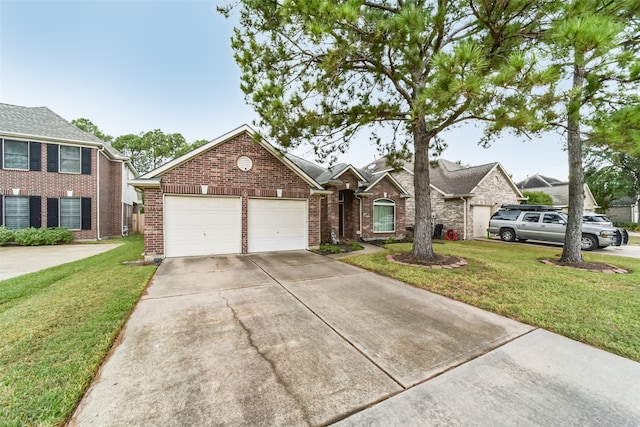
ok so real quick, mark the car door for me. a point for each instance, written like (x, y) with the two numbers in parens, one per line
(553, 227)
(529, 226)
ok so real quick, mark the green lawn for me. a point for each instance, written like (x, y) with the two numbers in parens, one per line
(596, 308)
(633, 240)
(56, 327)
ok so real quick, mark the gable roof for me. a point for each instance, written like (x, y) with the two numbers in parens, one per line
(447, 177)
(40, 123)
(560, 194)
(152, 178)
(537, 181)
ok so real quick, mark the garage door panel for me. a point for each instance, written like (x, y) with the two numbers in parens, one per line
(276, 225)
(202, 225)
(481, 217)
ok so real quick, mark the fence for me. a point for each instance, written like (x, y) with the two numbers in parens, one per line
(137, 223)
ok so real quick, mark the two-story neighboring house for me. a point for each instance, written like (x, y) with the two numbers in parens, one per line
(53, 174)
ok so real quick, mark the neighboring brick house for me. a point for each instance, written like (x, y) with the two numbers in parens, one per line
(558, 190)
(462, 198)
(237, 194)
(53, 174)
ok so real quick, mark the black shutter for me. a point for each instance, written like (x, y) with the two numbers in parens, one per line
(35, 156)
(52, 213)
(86, 161)
(35, 212)
(1, 212)
(52, 157)
(86, 213)
(1, 163)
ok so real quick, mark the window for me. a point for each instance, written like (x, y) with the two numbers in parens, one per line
(70, 213)
(552, 218)
(16, 154)
(384, 216)
(16, 212)
(531, 217)
(70, 159)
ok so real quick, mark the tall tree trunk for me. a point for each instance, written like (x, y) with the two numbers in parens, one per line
(422, 243)
(571, 252)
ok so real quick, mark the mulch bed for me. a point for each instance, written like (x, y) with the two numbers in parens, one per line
(598, 267)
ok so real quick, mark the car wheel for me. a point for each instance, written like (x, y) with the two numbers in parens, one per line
(507, 235)
(589, 242)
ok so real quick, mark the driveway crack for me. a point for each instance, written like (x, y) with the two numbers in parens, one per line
(272, 365)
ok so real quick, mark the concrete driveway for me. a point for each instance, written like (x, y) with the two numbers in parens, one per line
(300, 339)
(18, 260)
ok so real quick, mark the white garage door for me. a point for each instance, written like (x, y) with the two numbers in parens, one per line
(202, 225)
(277, 225)
(481, 217)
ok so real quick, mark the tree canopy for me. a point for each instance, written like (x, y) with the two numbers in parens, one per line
(537, 198)
(88, 126)
(320, 72)
(147, 150)
(594, 44)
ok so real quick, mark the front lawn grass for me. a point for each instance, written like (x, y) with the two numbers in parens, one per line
(56, 327)
(596, 308)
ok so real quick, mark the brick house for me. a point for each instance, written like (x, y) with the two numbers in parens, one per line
(462, 198)
(52, 174)
(239, 194)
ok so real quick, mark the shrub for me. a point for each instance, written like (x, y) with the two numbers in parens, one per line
(6, 235)
(58, 235)
(29, 236)
(329, 248)
(355, 246)
(42, 236)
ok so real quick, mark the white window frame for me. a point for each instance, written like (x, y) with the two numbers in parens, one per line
(66, 147)
(384, 202)
(4, 154)
(79, 218)
(6, 209)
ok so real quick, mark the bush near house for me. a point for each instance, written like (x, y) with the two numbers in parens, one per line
(6, 235)
(35, 236)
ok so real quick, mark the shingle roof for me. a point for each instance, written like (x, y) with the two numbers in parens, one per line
(537, 181)
(624, 201)
(559, 193)
(453, 178)
(43, 123)
(311, 169)
(447, 176)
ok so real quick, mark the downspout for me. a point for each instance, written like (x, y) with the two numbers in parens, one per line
(100, 150)
(464, 216)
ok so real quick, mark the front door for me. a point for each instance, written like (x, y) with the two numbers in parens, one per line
(341, 219)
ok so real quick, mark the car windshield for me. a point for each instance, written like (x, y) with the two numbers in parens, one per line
(596, 218)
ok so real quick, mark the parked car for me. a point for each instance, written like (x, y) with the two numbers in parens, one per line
(539, 222)
(621, 236)
(596, 219)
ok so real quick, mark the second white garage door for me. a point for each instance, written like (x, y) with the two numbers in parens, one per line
(481, 217)
(277, 225)
(201, 225)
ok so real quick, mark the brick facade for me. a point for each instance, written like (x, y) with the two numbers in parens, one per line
(493, 190)
(217, 168)
(46, 185)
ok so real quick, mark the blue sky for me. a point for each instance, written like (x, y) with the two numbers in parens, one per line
(134, 66)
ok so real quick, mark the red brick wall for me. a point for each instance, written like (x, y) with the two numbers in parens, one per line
(56, 184)
(367, 210)
(330, 209)
(110, 197)
(217, 168)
